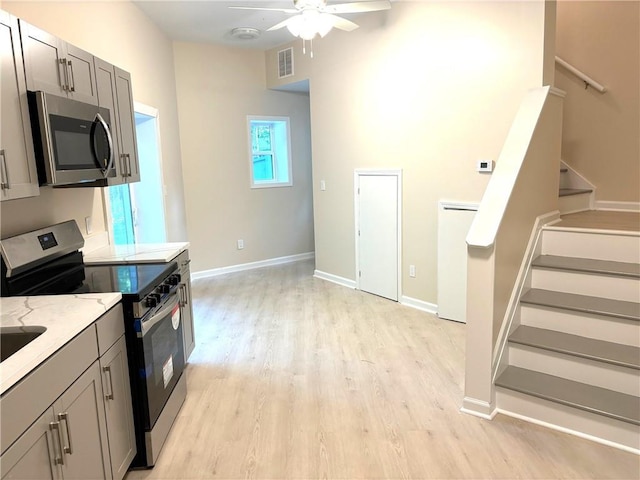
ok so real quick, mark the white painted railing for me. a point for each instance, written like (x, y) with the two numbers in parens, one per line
(581, 75)
(523, 186)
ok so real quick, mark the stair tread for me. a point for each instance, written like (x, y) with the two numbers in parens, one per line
(602, 401)
(565, 192)
(588, 265)
(583, 303)
(583, 347)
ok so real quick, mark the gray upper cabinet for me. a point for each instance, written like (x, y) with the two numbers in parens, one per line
(54, 66)
(115, 93)
(127, 124)
(18, 174)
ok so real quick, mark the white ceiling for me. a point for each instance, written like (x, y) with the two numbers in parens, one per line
(211, 21)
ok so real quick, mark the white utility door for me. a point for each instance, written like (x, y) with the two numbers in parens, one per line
(454, 222)
(377, 234)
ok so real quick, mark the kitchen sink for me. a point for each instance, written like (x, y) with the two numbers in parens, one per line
(13, 339)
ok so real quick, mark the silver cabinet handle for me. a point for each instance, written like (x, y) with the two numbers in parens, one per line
(56, 426)
(72, 86)
(123, 164)
(4, 183)
(68, 448)
(129, 165)
(106, 370)
(64, 79)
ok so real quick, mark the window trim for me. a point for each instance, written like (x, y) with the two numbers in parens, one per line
(278, 162)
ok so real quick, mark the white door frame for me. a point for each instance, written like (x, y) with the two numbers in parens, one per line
(151, 112)
(356, 181)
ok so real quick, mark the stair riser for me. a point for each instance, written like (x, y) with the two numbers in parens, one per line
(599, 374)
(626, 332)
(605, 286)
(617, 248)
(595, 427)
(574, 203)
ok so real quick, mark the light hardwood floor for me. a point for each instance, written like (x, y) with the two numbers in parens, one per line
(602, 220)
(297, 378)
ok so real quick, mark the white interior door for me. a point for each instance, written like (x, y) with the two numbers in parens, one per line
(377, 233)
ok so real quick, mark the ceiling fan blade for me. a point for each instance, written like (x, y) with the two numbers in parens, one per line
(284, 10)
(341, 23)
(280, 25)
(358, 7)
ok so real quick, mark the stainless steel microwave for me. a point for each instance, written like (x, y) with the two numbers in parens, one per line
(72, 140)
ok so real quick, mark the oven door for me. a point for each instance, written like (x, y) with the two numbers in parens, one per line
(162, 356)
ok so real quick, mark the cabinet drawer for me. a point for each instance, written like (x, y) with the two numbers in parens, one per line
(110, 327)
(38, 390)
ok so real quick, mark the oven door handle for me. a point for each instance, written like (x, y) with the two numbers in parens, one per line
(148, 324)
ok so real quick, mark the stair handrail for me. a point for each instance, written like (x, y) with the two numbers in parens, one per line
(588, 81)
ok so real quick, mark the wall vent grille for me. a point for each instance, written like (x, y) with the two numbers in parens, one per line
(285, 63)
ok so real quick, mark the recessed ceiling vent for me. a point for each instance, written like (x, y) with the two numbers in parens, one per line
(285, 63)
(245, 33)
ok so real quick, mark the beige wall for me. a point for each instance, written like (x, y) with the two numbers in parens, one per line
(119, 33)
(601, 131)
(427, 87)
(217, 88)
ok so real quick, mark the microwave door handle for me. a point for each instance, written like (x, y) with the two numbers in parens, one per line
(156, 317)
(109, 165)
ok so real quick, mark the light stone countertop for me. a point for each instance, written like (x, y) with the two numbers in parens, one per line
(64, 317)
(135, 253)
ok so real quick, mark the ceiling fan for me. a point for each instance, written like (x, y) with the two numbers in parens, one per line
(315, 17)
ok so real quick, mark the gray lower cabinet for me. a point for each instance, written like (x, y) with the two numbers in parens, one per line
(186, 307)
(55, 66)
(18, 175)
(34, 454)
(80, 399)
(114, 93)
(68, 441)
(117, 405)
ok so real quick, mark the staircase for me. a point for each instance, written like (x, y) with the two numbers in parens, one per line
(573, 362)
(575, 194)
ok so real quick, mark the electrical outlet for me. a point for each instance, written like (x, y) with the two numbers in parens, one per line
(412, 271)
(240, 244)
(88, 224)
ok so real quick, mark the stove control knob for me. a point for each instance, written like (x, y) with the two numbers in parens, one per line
(164, 288)
(174, 279)
(152, 300)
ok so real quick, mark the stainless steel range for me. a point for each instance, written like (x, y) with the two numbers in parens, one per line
(48, 262)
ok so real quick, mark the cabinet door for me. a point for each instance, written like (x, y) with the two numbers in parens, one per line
(127, 124)
(81, 76)
(186, 313)
(117, 405)
(44, 60)
(106, 88)
(18, 173)
(33, 456)
(80, 411)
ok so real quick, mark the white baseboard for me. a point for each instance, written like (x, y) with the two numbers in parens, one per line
(618, 206)
(329, 277)
(214, 272)
(592, 438)
(419, 304)
(478, 408)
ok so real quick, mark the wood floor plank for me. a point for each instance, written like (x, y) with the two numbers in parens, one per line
(297, 378)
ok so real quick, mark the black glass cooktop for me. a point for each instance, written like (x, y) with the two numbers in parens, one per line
(68, 274)
(131, 280)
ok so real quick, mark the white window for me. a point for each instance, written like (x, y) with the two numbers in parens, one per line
(270, 147)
